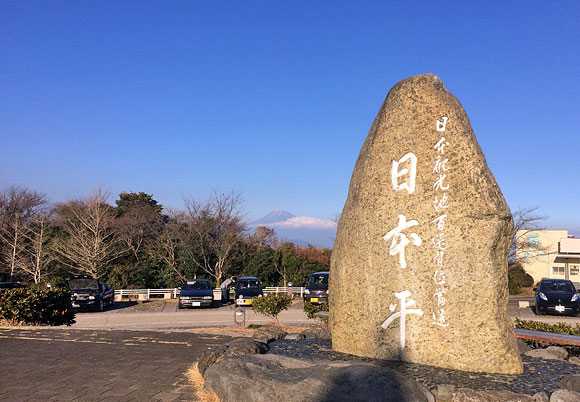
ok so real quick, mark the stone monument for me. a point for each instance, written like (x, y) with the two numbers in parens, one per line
(419, 268)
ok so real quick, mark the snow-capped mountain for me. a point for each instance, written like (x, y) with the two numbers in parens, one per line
(301, 230)
(278, 215)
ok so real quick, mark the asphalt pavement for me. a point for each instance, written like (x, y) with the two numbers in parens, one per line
(164, 315)
(50, 364)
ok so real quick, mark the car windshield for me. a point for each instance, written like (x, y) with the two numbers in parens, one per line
(249, 284)
(321, 279)
(83, 283)
(197, 285)
(557, 286)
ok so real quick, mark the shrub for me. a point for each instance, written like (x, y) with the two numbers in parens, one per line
(272, 305)
(310, 309)
(37, 305)
(518, 278)
(558, 328)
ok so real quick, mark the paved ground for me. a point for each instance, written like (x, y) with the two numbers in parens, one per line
(528, 313)
(164, 315)
(84, 365)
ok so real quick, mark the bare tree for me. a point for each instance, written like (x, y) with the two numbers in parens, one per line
(89, 243)
(17, 207)
(526, 221)
(37, 254)
(167, 243)
(135, 227)
(212, 230)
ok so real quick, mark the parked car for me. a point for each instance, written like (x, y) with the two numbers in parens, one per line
(248, 288)
(89, 294)
(557, 296)
(196, 293)
(316, 290)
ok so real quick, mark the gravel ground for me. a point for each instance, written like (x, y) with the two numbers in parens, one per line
(539, 375)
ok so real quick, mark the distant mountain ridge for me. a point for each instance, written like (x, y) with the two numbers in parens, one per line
(278, 215)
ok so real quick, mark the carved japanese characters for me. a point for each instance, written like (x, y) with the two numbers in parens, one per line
(419, 267)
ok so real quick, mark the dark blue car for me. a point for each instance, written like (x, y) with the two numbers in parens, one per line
(557, 296)
(196, 293)
(248, 288)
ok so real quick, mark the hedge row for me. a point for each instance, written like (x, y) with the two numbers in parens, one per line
(37, 305)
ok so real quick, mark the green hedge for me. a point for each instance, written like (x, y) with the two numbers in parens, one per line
(37, 305)
(310, 309)
(558, 328)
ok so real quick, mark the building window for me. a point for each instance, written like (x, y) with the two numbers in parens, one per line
(558, 271)
(574, 270)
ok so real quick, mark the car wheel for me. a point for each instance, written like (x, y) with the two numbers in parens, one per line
(112, 301)
(538, 311)
(179, 306)
(101, 305)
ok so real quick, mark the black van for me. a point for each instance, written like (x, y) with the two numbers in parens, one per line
(247, 288)
(316, 291)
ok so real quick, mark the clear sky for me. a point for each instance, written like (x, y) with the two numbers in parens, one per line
(274, 98)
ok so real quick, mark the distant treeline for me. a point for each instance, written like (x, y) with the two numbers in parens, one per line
(139, 244)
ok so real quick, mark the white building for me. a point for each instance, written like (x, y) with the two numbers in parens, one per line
(550, 253)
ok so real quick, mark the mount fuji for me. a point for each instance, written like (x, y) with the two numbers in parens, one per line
(301, 230)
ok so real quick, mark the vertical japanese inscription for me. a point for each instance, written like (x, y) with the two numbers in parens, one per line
(441, 166)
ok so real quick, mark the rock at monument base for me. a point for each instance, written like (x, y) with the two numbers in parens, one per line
(571, 382)
(450, 393)
(269, 334)
(551, 352)
(563, 395)
(237, 347)
(268, 378)
(419, 266)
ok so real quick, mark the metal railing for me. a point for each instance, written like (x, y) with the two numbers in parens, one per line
(173, 293)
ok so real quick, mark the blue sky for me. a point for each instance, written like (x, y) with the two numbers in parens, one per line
(274, 99)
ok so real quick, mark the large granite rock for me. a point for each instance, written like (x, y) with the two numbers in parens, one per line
(419, 267)
(279, 378)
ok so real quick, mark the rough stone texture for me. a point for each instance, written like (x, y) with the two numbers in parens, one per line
(364, 276)
(449, 393)
(523, 347)
(269, 334)
(280, 378)
(574, 360)
(551, 352)
(316, 333)
(238, 347)
(571, 383)
(294, 337)
(562, 395)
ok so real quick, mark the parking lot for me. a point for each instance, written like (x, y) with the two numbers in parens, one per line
(83, 365)
(132, 351)
(164, 315)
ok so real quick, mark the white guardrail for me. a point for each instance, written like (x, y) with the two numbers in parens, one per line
(172, 293)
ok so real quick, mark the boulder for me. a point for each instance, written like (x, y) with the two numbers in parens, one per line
(450, 393)
(268, 378)
(419, 266)
(523, 347)
(551, 352)
(571, 382)
(268, 334)
(574, 360)
(316, 333)
(237, 347)
(294, 337)
(563, 395)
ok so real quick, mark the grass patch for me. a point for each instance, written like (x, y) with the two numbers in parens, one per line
(255, 326)
(197, 381)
